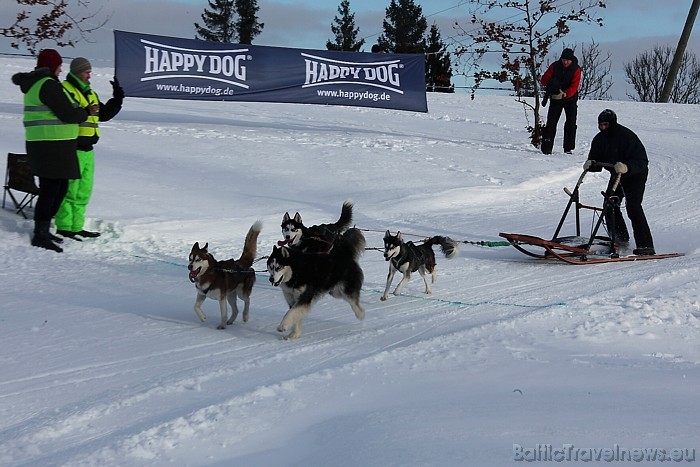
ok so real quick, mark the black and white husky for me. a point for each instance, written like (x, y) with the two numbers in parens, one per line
(306, 277)
(317, 238)
(408, 257)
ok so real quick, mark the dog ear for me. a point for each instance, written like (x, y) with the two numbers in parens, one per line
(297, 218)
(387, 234)
(195, 246)
(286, 217)
(206, 245)
(398, 235)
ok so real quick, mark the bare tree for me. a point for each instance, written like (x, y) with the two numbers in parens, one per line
(595, 72)
(52, 20)
(648, 71)
(522, 40)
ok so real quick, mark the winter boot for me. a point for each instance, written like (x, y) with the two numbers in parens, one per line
(69, 234)
(88, 234)
(547, 145)
(42, 237)
(55, 238)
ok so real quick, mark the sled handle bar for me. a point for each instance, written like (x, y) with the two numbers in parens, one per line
(617, 175)
(608, 165)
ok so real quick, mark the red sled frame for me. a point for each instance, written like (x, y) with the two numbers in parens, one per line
(576, 249)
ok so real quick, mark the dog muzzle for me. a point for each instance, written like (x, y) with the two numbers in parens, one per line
(193, 274)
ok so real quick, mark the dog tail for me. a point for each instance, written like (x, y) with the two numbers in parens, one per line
(353, 242)
(345, 220)
(449, 247)
(250, 246)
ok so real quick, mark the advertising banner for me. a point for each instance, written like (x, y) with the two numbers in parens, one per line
(175, 68)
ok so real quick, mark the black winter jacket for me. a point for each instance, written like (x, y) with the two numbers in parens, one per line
(618, 143)
(52, 159)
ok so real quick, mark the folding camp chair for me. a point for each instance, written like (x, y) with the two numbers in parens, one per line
(19, 177)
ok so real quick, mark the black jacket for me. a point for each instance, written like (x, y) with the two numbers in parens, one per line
(618, 143)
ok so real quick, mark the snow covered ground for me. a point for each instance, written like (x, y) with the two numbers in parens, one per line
(104, 361)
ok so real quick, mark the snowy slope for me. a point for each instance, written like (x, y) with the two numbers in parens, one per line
(104, 362)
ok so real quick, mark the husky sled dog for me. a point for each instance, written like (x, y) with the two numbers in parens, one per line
(306, 277)
(317, 238)
(407, 257)
(224, 280)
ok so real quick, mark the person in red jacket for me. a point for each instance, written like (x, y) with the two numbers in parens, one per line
(561, 82)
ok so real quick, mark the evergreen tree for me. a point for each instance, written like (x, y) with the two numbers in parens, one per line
(247, 25)
(404, 28)
(438, 64)
(219, 22)
(345, 30)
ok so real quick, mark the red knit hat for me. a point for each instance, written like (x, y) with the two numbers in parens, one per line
(49, 58)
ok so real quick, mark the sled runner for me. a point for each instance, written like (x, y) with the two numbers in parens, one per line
(577, 249)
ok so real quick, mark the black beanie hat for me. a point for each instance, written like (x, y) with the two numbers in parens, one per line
(607, 116)
(567, 54)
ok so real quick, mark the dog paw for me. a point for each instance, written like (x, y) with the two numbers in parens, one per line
(291, 336)
(383, 298)
(221, 326)
(281, 328)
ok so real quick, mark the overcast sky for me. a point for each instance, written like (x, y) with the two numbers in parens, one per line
(631, 26)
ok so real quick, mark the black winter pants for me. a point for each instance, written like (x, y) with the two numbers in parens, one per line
(631, 188)
(570, 109)
(51, 194)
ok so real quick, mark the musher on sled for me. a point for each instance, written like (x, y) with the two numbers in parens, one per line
(621, 147)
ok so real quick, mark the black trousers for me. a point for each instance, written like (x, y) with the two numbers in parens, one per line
(570, 109)
(51, 194)
(631, 189)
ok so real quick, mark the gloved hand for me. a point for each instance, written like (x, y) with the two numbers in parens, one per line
(620, 167)
(560, 95)
(587, 165)
(117, 90)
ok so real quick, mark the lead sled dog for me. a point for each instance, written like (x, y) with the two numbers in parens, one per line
(407, 257)
(224, 281)
(305, 277)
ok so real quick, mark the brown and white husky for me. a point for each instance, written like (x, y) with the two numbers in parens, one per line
(224, 280)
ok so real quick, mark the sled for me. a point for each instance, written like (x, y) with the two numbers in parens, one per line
(576, 249)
